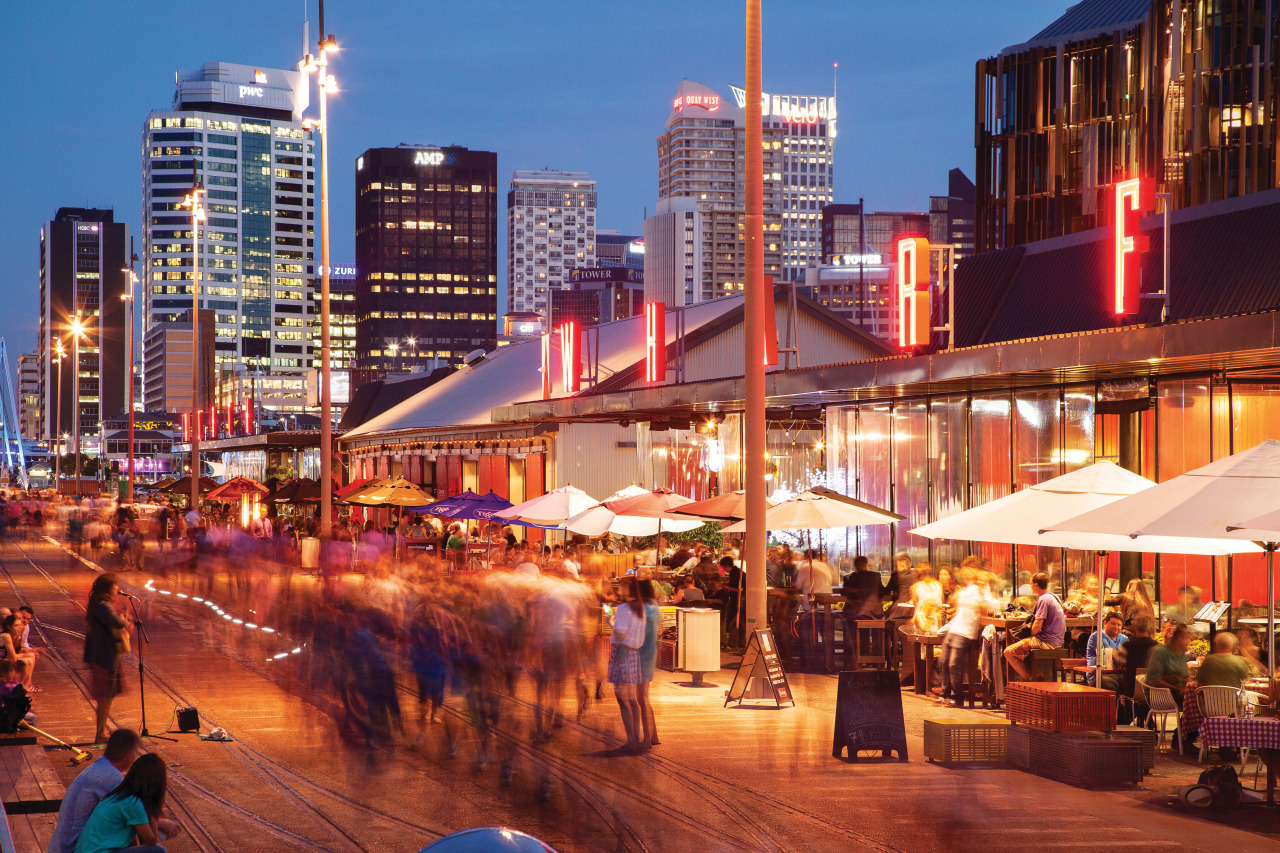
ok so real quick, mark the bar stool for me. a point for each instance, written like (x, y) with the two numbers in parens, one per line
(871, 635)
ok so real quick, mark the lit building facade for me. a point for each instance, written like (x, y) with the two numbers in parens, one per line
(84, 257)
(551, 223)
(342, 317)
(1180, 93)
(167, 360)
(29, 394)
(239, 129)
(614, 249)
(808, 127)
(701, 170)
(426, 255)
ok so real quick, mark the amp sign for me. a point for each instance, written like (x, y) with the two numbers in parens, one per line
(428, 158)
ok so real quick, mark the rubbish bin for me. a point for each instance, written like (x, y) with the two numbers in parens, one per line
(309, 554)
(698, 641)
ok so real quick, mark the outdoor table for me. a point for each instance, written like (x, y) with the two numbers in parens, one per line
(922, 649)
(1083, 673)
(1261, 734)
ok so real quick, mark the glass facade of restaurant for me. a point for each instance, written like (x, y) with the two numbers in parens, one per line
(929, 458)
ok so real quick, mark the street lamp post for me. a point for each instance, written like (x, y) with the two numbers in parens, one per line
(327, 84)
(195, 201)
(395, 354)
(77, 330)
(57, 426)
(128, 299)
(413, 345)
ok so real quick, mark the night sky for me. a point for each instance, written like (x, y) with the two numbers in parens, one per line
(562, 84)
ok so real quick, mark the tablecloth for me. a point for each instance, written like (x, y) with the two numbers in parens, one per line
(1254, 732)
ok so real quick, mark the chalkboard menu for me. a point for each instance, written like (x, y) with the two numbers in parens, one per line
(869, 715)
(760, 660)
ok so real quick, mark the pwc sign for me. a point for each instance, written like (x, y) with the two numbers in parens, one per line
(914, 316)
(1131, 198)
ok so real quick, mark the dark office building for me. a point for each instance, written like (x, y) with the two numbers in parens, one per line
(84, 257)
(951, 215)
(881, 231)
(426, 255)
(1176, 92)
(619, 250)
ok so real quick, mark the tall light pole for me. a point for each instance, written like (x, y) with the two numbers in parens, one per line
(395, 354)
(78, 326)
(320, 63)
(128, 299)
(61, 353)
(413, 344)
(757, 314)
(195, 201)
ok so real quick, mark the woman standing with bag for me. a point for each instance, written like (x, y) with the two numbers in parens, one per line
(106, 637)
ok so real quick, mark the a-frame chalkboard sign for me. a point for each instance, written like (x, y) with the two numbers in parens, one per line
(760, 660)
(869, 715)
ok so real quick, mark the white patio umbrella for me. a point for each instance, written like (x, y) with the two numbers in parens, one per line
(820, 509)
(552, 508)
(599, 519)
(1210, 503)
(1022, 518)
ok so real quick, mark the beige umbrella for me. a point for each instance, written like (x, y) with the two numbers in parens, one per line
(599, 519)
(397, 492)
(1208, 503)
(820, 510)
(555, 507)
(731, 505)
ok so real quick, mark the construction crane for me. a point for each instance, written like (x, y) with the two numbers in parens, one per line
(15, 459)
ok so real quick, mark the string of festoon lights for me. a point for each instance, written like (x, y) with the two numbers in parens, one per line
(218, 610)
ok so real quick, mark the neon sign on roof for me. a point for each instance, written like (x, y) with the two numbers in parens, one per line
(710, 103)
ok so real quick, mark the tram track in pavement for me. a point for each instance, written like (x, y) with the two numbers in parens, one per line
(284, 781)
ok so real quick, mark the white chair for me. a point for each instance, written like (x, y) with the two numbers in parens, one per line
(1161, 702)
(1254, 705)
(1218, 701)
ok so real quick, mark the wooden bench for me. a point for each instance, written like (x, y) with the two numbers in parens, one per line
(22, 738)
(27, 832)
(28, 783)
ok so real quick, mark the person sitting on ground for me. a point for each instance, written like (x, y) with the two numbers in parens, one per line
(1048, 627)
(91, 786)
(11, 680)
(130, 814)
(11, 644)
(1224, 666)
(1167, 666)
(27, 615)
(687, 592)
(1111, 639)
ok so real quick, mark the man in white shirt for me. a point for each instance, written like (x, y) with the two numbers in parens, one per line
(813, 577)
(192, 519)
(973, 601)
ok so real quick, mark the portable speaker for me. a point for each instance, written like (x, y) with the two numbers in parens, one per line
(188, 720)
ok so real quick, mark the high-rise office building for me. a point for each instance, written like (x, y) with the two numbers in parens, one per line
(551, 224)
(239, 129)
(694, 244)
(84, 260)
(808, 127)
(29, 394)
(342, 316)
(167, 360)
(426, 255)
(1179, 93)
(951, 215)
(847, 233)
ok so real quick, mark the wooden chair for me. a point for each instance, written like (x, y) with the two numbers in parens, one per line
(1045, 664)
(1064, 668)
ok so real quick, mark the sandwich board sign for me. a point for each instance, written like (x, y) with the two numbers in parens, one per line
(761, 661)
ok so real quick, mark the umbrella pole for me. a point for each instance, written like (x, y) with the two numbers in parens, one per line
(1271, 614)
(1101, 559)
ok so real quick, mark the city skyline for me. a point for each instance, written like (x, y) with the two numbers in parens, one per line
(475, 94)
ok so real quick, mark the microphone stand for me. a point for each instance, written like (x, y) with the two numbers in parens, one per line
(142, 690)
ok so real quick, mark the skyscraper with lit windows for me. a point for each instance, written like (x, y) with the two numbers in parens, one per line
(551, 229)
(239, 130)
(426, 256)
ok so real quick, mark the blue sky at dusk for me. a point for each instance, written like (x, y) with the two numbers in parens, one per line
(564, 84)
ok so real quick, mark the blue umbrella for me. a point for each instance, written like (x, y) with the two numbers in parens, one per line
(470, 506)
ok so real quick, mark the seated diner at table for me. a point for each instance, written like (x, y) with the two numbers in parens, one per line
(1167, 665)
(1111, 639)
(1048, 627)
(1223, 666)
